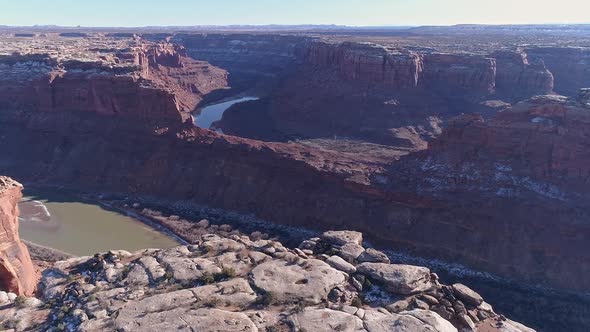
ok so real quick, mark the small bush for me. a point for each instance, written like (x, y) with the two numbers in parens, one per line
(20, 301)
(266, 299)
(357, 302)
(212, 302)
(207, 278)
(227, 273)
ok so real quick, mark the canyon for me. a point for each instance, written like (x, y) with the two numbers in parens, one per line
(349, 132)
(227, 281)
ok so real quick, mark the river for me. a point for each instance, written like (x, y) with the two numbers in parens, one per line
(214, 112)
(79, 227)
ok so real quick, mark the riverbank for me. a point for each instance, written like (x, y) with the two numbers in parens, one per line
(206, 116)
(536, 306)
(81, 225)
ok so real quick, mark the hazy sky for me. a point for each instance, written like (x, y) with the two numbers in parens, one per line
(349, 12)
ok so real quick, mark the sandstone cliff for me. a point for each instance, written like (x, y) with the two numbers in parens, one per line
(230, 282)
(17, 274)
(141, 81)
(300, 185)
(385, 94)
(527, 163)
(451, 201)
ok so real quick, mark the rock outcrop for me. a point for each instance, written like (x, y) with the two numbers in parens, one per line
(384, 93)
(533, 154)
(153, 83)
(570, 66)
(17, 274)
(255, 286)
(455, 201)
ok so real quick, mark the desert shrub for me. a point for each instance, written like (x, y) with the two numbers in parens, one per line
(357, 302)
(211, 302)
(207, 278)
(266, 299)
(227, 273)
(20, 301)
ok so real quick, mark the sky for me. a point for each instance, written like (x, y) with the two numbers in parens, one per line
(130, 13)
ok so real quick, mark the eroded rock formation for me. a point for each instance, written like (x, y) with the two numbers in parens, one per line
(527, 163)
(456, 201)
(234, 283)
(17, 274)
(141, 81)
(397, 203)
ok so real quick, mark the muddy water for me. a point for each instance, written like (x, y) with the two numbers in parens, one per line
(214, 112)
(79, 227)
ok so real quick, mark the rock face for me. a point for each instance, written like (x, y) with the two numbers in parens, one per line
(455, 201)
(518, 78)
(130, 78)
(570, 66)
(286, 291)
(532, 155)
(255, 62)
(385, 94)
(399, 279)
(17, 274)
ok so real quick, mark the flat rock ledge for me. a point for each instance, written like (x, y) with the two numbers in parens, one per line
(235, 283)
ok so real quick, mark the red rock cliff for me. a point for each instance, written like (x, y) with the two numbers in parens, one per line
(520, 180)
(17, 274)
(153, 84)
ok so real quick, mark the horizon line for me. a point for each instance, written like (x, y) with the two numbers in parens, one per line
(300, 25)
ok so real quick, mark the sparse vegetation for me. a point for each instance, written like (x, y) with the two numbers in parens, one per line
(266, 299)
(227, 273)
(207, 278)
(20, 301)
(357, 302)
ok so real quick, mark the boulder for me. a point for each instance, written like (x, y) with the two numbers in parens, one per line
(189, 269)
(433, 319)
(350, 252)
(373, 256)
(340, 238)
(315, 319)
(340, 264)
(236, 293)
(210, 320)
(398, 278)
(309, 282)
(411, 321)
(467, 295)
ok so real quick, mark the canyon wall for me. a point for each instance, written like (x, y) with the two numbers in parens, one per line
(17, 274)
(569, 65)
(255, 61)
(151, 83)
(426, 203)
(385, 94)
(429, 203)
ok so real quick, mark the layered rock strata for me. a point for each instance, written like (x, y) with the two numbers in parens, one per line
(419, 203)
(17, 274)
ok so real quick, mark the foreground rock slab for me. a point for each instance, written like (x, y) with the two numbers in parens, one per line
(234, 283)
(399, 279)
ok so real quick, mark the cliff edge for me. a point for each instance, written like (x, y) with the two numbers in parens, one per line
(17, 274)
(231, 282)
